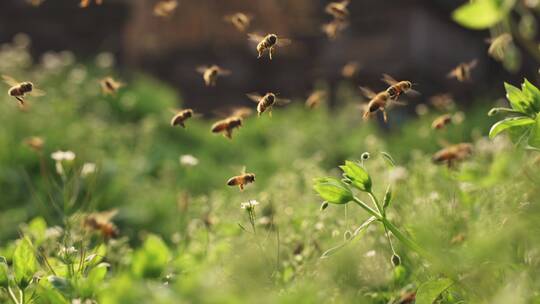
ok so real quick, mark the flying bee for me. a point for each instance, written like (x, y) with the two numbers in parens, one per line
(441, 121)
(338, 10)
(397, 88)
(453, 153)
(20, 89)
(350, 69)
(35, 143)
(266, 102)
(86, 3)
(211, 73)
(334, 28)
(315, 99)
(268, 42)
(109, 86)
(181, 116)
(227, 125)
(241, 180)
(463, 71)
(165, 8)
(101, 222)
(378, 101)
(239, 20)
(442, 102)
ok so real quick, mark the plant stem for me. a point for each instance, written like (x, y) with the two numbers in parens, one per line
(12, 296)
(403, 238)
(376, 201)
(367, 208)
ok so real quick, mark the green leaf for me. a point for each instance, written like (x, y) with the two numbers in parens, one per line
(429, 291)
(61, 284)
(150, 261)
(533, 95)
(97, 275)
(4, 272)
(534, 139)
(358, 175)
(24, 263)
(478, 14)
(388, 159)
(387, 197)
(517, 99)
(508, 123)
(333, 190)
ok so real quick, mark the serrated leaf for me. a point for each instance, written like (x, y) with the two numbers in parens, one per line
(4, 273)
(429, 291)
(508, 123)
(478, 14)
(534, 139)
(387, 197)
(517, 99)
(533, 95)
(333, 190)
(388, 159)
(358, 175)
(24, 262)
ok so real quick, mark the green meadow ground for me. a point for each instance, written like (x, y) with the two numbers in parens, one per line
(183, 236)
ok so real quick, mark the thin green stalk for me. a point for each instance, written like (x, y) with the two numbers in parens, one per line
(403, 238)
(12, 296)
(376, 201)
(367, 208)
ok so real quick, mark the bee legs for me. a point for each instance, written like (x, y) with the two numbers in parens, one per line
(270, 52)
(270, 112)
(20, 100)
(241, 187)
(228, 133)
(385, 116)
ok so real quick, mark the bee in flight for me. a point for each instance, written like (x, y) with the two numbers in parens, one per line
(227, 125)
(441, 121)
(266, 102)
(211, 73)
(101, 222)
(397, 88)
(452, 154)
(377, 101)
(463, 71)
(86, 3)
(338, 10)
(181, 116)
(333, 28)
(350, 69)
(268, 42)
(109, 86)
(20, 89)
(241, 180)
(315, 99)
(442, 102)
(240, 21)
(165, 8)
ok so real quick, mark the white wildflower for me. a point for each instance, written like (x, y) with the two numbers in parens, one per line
(188, 160)
(249, 205)
(60, 157)
(87, 169)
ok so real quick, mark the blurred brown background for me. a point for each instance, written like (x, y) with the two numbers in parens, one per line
(415, 40)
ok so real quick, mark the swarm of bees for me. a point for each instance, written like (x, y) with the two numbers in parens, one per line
(241, 180)
(165, 8)
(241, 21)
(86, 3)
(266, 102)
(20, 89)
(211, 73)
(267, 43)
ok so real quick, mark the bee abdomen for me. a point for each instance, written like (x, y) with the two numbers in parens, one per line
(232, 181)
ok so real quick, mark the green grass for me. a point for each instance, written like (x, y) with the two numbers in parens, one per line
(180, 228)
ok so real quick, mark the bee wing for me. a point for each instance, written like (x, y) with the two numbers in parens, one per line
(201, 69)
(413, 92)
(37, 93)
(254, 97)
(106, 216)
(473, 63)
(452, 73)
(284, 42)
(255, 37)
(389, 79)
(282, 101)
(243, 170)
(224, 72)
(10, 80)
(368, 92)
